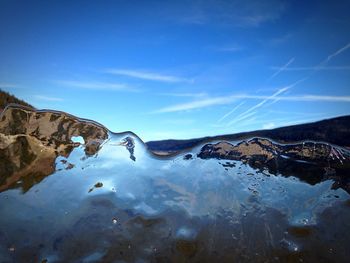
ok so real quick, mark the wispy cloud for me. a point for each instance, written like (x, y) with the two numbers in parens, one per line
(228, 48)
(230, 112)
(146, 75)
(322, 65)
(207, 102)
(96, 85)
(277, 98)
(197, 104)
(281, 69)
(306, 97)
(313, 68)
(241, 117)
(47, 98)
(319, 67)
(336, 53)
(247, 112)
(7, 85)
(186, 94)
(316, 98)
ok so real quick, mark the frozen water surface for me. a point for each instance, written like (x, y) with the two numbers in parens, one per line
(125, 204)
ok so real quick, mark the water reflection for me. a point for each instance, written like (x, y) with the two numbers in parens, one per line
(111, 207)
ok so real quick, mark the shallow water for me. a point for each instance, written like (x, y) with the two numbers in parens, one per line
(109, 208)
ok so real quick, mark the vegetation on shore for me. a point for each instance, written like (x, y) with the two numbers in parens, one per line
(7, 98)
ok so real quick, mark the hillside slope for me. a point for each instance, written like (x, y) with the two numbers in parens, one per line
(6, 98)
(335, 131)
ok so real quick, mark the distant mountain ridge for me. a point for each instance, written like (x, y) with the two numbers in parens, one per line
(334, 130)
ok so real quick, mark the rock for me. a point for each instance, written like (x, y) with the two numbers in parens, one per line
(52, 128)
(30, 141)
(307, 160)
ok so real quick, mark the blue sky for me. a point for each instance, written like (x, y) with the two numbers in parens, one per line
(179, 69)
